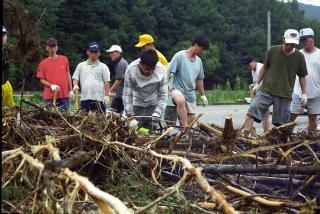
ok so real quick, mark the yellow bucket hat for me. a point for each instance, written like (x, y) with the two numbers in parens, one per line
(143, 40)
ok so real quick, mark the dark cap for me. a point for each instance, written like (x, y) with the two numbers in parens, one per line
(51, 41)
(93, 46)
(246, 60)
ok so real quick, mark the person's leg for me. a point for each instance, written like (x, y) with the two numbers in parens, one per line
(281, 111)
(266, 121)
(295, 108)
(191, 110)
(312, 123)
(257, 109)
(117, 104)
(313, 107)
(180, 102)
(85, 105)
(63, 103)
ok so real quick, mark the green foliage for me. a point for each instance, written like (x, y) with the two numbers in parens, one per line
(235, 28)
(12, 192)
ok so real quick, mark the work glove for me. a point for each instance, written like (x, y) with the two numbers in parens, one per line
(106, 100)
(304, 100)
(204, 100)
(155, 116)
(112, 94)
(75, 87)
(256, 88)
(71, 94)
(133, 124)
(54, 88)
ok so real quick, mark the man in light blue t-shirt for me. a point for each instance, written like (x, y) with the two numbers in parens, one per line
(187, 72)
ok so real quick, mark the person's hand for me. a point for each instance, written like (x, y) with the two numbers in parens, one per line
(71, 94)
(106, 100)
(112, 94)
(156, 114)
(54, 88)
(75, 87)
(304, 100)
(256, 88)
(204, 100)
(133, 124)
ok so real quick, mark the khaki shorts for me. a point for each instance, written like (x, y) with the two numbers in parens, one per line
(190, 106)
(313, 105)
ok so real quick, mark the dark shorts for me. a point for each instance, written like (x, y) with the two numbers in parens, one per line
(62, 103)
(117, 104)
(93, 105)
(262, 101)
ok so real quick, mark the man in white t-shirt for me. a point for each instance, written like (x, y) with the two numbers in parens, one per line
(250, 64)
(312, 56)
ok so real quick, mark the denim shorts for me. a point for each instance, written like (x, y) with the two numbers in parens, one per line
(262, 101)
(313, 105)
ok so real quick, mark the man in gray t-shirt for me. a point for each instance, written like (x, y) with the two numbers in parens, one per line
(187, 71)
(120, 68)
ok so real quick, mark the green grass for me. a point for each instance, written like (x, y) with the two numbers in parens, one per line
(219, 96)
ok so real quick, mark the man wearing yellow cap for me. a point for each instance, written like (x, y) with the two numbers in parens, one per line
(146, 42)
(7, 92)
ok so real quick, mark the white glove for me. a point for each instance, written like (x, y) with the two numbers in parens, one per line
(54, 88)
(76, 87)
(112, 94)
(156, 114)
(71, 94)
(256, 88)
(304, 99)
(204, 100)
(133, 124)
(106, 100)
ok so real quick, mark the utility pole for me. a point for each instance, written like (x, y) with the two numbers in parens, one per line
(269, 31)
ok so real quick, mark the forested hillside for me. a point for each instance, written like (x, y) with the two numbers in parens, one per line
(310, 11)
(235, 28)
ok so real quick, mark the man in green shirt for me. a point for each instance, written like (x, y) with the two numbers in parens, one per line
(282, 64)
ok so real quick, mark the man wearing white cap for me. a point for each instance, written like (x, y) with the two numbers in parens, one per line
(120, 68)
(282, 64)
(312, 56)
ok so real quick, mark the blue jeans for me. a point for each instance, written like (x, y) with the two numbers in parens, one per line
(62, 103)
(93, 105)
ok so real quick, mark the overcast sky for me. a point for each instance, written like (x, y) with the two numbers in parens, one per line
(313, 2)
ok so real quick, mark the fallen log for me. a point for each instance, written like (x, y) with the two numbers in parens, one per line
(278, 169)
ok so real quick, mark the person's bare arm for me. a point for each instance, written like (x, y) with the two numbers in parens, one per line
(115, 85)
(45, 83)
(76, 82)
(303, 84)
(69, 81)
(200, 87)
(261, 74)
(106, 88)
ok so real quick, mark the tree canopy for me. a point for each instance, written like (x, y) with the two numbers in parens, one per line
(235, 28)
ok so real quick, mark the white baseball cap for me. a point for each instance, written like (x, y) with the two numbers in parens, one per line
(114, 48)
(291, 36)
(305, 32)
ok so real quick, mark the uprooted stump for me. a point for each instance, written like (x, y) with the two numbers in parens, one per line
(81, 162)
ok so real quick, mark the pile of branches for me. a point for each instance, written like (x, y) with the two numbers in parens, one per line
(82, 162)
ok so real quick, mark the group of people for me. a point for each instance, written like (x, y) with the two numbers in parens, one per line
(141, 88)
(289, 80)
